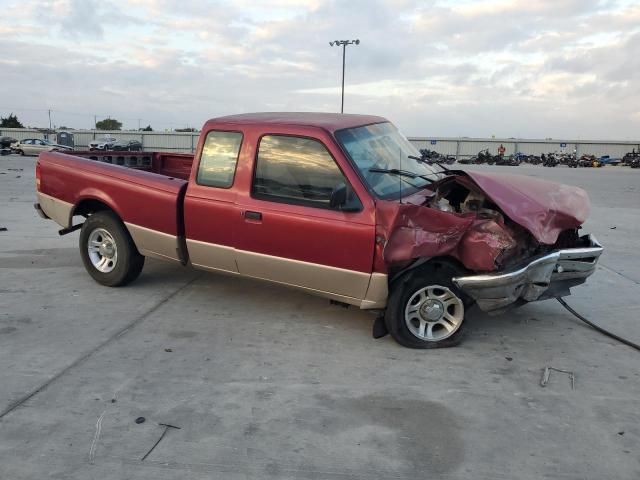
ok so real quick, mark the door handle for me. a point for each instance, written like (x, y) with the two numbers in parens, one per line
(249, 215)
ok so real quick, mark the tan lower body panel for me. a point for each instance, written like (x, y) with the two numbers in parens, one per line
(310, 275)
(367, 291)
(57, 210)
(152, 243)
(377, 292)
(356, 288)
(364, 290)
(212, 257)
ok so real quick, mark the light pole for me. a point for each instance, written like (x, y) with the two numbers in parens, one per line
(343, 44)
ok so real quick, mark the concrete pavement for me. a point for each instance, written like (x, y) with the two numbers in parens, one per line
(265, 382)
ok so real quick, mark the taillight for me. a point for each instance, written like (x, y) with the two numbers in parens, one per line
(38, 176)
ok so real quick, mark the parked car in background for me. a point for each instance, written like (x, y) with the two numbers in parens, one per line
(6, 145)
(129, 146)
(7, 142)
(35, 146)
(104, 143)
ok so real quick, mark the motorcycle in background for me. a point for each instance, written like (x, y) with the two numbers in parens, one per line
(549, 160)
(431, 156)
(632, 159)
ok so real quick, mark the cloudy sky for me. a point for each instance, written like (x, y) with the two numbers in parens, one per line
(519, 68)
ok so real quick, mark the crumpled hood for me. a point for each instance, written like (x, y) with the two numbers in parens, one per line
(542, 207)
(411, 229)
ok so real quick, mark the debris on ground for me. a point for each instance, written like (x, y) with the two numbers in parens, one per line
(168, 350)
(140, 420)
(3, 229)
(546, 374)
(164, 432)
(96, 437)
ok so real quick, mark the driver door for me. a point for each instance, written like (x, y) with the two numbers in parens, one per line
(289, 234)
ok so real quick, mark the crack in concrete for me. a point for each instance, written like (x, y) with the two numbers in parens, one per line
(99, 347)
(618, 273)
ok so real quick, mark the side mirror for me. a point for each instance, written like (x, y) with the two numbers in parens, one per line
(343, 199)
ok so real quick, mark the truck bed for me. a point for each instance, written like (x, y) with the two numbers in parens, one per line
(176, 165)
(146, 190)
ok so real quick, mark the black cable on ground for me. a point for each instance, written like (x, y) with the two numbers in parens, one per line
(596, 327)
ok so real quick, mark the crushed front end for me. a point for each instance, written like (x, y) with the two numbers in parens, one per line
(544, 276)
(517, 238)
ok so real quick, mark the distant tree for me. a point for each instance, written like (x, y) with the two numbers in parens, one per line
(108, 124)
(185, 130)
(147, 129)
(10, 122)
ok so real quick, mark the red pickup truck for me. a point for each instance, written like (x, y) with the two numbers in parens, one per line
(337, 205)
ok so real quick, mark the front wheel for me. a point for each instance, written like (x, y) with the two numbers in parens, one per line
(426, 310)
(108, 252)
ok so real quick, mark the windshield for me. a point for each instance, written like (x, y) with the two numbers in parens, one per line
(382, 147)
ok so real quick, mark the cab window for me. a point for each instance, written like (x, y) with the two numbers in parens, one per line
(219, 159)
(295, 170)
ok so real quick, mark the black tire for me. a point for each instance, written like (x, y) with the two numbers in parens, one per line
(403, 289)
(129, 262)
(21, 152)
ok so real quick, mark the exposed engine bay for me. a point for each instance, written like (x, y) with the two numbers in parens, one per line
(456, 217)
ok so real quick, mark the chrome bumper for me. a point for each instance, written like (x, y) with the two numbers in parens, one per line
(547, 276)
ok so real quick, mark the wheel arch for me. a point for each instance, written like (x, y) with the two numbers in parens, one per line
(421, 264)
(89, 204)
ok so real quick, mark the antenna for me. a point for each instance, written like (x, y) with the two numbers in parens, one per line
(400, 177)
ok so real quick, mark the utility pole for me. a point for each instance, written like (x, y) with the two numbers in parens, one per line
(49, 119)
(343, 44)
(95, 122)
(139, 124)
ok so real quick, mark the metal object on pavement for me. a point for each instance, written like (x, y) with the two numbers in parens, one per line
(166, 429)
(546, 374)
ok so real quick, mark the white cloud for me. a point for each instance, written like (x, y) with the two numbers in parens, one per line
(509, 68)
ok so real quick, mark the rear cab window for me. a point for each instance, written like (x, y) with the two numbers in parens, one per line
(295, 170)
(219, 158)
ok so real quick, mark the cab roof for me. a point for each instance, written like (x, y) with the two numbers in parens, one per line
(326, 121)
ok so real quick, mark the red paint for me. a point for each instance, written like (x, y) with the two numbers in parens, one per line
(137, 196)
(413, 231)
(542, 207)
(384, 234)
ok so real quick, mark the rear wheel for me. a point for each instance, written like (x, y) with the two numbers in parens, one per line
(426, 310)
(108, 251)
(21, 152)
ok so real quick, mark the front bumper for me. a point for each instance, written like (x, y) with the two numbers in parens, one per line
(546, 276)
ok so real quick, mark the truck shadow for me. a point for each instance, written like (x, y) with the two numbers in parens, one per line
(233, 296)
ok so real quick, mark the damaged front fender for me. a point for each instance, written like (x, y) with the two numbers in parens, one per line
(484, 220)
(414, 231)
